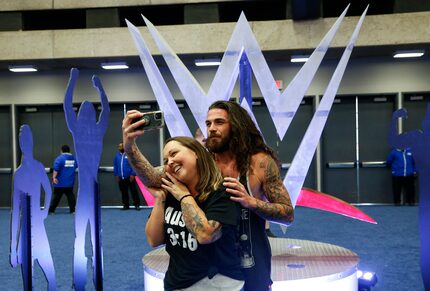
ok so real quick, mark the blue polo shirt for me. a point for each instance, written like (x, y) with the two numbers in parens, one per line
(121, 166)
(65, 165)
(402, 163)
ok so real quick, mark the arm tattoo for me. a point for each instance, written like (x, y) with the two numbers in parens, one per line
(192, 219)
(218, 229)
(195, 223)
(279, 208)
(150, 175)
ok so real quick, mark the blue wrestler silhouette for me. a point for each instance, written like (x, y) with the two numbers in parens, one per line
(29, 241)
(88, 140)
(419, 142)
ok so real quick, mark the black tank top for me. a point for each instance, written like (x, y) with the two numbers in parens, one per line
(254, 250)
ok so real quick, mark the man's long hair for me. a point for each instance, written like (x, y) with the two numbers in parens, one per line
(210, 176)
(245, 139)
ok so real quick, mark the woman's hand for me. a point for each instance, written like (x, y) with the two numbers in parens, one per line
(129, 132)
(175, 187)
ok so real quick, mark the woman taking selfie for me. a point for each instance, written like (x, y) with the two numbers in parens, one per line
(196, 220)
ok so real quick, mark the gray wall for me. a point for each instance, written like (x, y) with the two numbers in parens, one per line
(363, 78)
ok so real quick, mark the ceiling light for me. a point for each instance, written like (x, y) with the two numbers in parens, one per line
(115, 66)
(408, 54)
(299, 59)
(145, 106)
(22, 69)
(207, 62)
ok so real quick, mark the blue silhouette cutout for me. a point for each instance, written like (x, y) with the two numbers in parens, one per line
(29, 241)
(419, 142)
(88, 140)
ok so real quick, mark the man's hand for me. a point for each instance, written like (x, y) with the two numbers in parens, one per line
(55, 180)
(239, 193)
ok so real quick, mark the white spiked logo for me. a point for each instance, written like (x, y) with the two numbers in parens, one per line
(282, 106)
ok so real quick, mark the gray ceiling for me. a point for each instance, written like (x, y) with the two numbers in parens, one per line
(294, 9)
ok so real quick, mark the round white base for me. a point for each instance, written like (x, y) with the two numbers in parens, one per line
(296, 265)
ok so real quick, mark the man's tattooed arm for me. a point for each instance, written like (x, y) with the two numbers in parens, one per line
(278, 208)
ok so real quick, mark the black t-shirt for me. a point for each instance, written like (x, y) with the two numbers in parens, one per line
(190, 261)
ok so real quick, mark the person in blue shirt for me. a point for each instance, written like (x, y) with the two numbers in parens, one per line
(63, 179)
(403, 172)
(126, 179)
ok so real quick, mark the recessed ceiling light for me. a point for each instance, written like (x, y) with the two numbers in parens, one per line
(408, 54)
(115, 66)
(22, 69)
(207, 62)
(299, 59)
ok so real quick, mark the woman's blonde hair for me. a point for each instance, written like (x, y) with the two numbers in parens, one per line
(210, 176)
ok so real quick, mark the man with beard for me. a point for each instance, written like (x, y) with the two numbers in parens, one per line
(251, 175)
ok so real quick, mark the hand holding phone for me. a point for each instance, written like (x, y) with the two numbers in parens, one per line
(153, 120)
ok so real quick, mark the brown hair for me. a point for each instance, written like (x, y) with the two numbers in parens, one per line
(246, 140)
(210, 176)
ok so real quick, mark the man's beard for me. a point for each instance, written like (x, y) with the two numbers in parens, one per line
(217, 144)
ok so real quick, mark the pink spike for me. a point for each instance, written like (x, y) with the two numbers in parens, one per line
(318, 200)
(145, 193)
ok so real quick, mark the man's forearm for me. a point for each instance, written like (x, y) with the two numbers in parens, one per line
(150, 175)
(275, 212)
(278, 208)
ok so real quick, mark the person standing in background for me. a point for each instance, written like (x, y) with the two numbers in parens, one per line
(63, 179)
(403, 173)
(126, 179)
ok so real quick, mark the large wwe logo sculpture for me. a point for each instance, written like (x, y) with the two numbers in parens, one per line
(242, 50)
